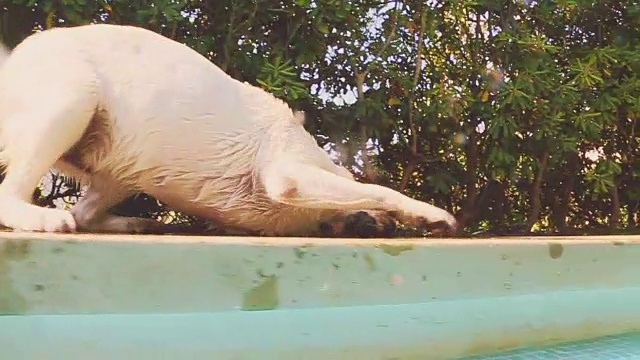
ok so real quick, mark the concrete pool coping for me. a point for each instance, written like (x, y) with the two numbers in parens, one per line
(300, 241)
(287, 298)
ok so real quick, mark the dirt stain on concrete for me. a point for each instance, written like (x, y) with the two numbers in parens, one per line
(11, 301)
(263, 296)
(300, 252)
(395, 250)
(555, 250)
(368, 260)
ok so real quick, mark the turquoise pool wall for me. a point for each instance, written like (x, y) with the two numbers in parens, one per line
(106, 297)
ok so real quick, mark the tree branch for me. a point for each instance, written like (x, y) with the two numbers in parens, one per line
(536, 189)
(360, 77)
(413, 160)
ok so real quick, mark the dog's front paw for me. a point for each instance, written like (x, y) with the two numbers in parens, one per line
(26, 217)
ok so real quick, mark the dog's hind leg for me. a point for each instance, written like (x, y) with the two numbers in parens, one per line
(308, 186)
(91, 212)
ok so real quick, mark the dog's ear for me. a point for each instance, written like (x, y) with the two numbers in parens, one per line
(299, 117)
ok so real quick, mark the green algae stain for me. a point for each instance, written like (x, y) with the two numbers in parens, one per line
(371, 264)
(11, 301)
(263, 296)
(300, 253)
(394, 250)
(57, 250)
(16, 250)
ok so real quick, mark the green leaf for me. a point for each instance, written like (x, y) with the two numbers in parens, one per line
(394, 101)
(322, 26)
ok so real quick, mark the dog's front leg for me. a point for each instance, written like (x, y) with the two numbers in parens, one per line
(308, 186)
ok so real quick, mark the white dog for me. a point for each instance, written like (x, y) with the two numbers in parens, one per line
(127, 110)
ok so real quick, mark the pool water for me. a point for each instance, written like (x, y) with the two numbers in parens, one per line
(618, 347)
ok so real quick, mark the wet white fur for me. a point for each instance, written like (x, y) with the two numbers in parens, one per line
(128, 111)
